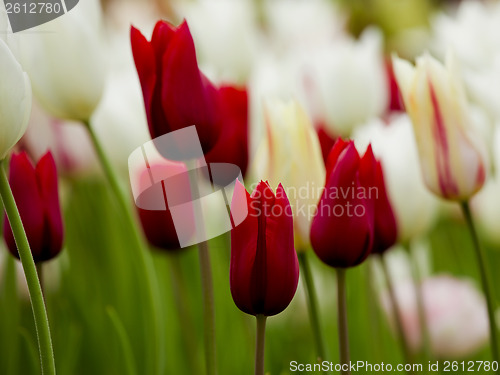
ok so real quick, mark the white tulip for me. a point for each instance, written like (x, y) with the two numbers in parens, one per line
(394, 144)
(473, 33)
(290, 154)
(455, 313)
(348, 82)
(6, 33)
(120, 121)
(225, 33)
(15, 100)
(453, 155)
(302, 24)
(66, 63)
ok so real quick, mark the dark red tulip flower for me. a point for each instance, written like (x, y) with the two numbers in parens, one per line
(385, 230)
(264, 267)
(326, 141)
(342, 230)
(36, 194)
(232, 146)
(176, 93)
(153, 207)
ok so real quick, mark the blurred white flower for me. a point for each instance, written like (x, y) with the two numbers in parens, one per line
(394, 143)
(290, 154)
(15, 100)
(66, 63)
(474, 35)
(455, 311)
(302, 24)
(226, 36)
(120, 121)
(342, 82)
(69, 143)
(349, 80)
(272, 78)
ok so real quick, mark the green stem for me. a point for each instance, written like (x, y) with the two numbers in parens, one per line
(39, 271)
(143, 256)
(485, 279)
(35, 291)
(312, 304)
(206, 273)
(417, 284)
(342, 321)
(260, 342)
(396, 312)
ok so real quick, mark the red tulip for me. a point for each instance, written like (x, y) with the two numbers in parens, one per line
(36, 194)
(232, 146)
(156, 220)
(385, 229)
(342, 230)
(326, 141)
(264, 268)
(176, 93)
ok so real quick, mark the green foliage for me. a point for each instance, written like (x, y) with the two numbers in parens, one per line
(97, 315)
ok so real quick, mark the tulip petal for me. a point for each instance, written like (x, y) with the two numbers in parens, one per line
(15, 100)
(232, 145)
(342, 229)
(24, 187)
(385, 227)
(243, 250)
(187, 96)
(334, 154)
(162, 35)
(146, 64)
(46, 174)
(281, 258)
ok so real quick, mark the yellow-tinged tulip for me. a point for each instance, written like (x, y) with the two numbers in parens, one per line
(15, 100)
(290, 154)
(452, 155)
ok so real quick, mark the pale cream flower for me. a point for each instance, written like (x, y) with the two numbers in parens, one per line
(290, 154)
(453, 156)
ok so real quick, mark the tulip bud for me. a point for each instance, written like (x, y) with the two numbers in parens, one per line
(36, 194)
(15, 100)
(290, 153)
(394, 145)
(176, 93)
(264, 270)
(385, 227)
(232, 145)
(342, 230)
(452, 154)
(65, 61)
